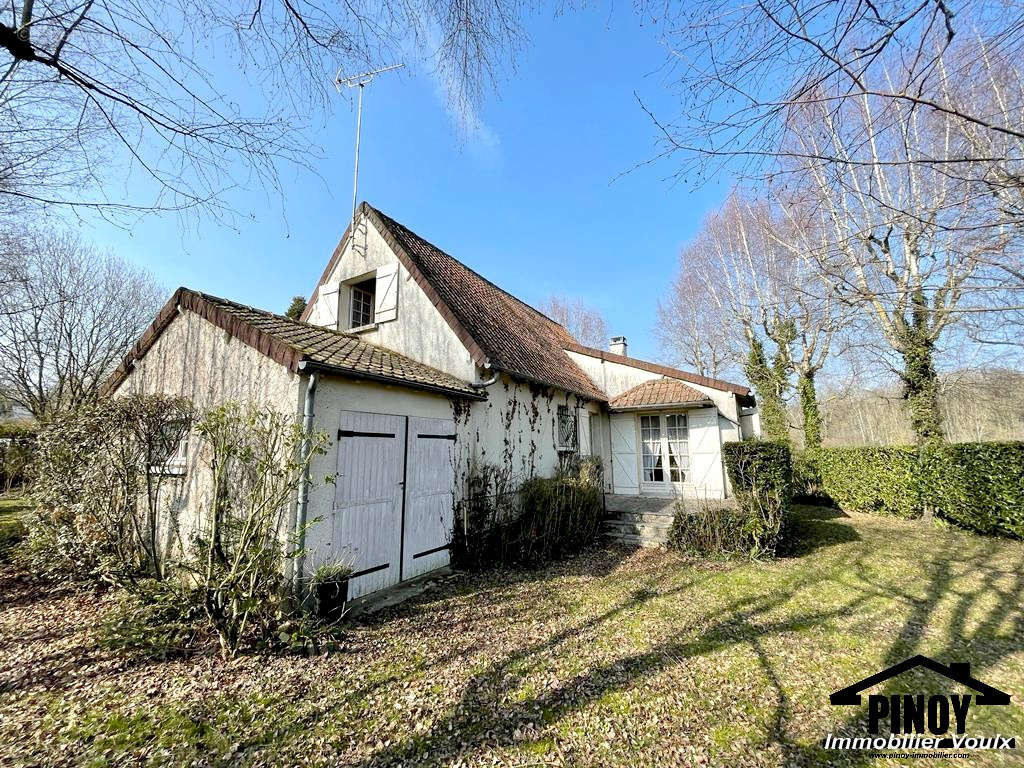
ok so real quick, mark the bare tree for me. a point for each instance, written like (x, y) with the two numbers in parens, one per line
(743, 66)
(586, 324)
(68, 322)
(691, 331)
(87, 85)
(907, 243)
(748, 265)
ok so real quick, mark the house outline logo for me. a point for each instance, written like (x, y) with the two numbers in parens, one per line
(958, 672)
(923, 720)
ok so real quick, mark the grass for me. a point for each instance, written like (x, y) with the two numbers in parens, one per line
(11, 528)
(614, 658)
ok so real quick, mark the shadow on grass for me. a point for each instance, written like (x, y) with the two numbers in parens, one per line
(484, 718)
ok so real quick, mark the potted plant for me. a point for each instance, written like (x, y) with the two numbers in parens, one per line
(329, 588)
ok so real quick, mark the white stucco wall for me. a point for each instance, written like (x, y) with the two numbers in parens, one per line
(195, 359)
(418, 331)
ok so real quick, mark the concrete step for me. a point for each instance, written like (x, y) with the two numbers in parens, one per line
(637, 529)
(637, 541)
(654, 518)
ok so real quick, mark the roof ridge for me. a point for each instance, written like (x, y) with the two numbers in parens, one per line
(466, 266)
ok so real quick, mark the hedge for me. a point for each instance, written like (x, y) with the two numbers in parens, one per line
(761, 474)
(977, 485)
(879, 480)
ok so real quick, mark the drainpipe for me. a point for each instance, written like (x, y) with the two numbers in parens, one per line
(300, 513)
(486, 382)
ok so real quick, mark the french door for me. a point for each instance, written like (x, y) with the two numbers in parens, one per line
(664, 451)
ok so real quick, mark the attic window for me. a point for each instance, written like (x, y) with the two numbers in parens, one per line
(362, 303)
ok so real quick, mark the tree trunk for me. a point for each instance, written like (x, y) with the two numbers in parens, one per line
(920, 380)
(770, 407)
(809, 407)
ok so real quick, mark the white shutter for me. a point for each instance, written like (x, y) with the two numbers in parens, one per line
(706, 453)
(325, 307)
(386, 291)
(583, 431)
(624, 455)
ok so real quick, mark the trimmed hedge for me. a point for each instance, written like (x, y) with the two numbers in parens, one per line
(761, 473)
(977, 485)
(879, 480)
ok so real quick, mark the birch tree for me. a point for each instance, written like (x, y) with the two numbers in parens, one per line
(907, 242)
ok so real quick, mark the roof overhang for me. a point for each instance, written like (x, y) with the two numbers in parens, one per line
(662, 406)
(308, 366)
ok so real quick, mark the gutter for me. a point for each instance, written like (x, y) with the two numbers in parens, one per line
(304, 482)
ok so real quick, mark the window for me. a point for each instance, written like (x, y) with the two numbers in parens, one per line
(678, 439)
(567, 432)
(650, 439)
(665, 437)
(170, 452)
(361, 301)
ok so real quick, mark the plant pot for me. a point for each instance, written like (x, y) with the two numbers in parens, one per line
(331, 598)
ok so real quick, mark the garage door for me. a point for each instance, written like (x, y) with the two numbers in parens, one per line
(393, 497)
(368, 498)
(429, 501)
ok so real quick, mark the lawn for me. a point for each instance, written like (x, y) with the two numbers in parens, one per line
(614, 658)
(11, 529)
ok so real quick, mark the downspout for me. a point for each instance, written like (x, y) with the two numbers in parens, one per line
(304, 482)
(479, 385)
(486, 382)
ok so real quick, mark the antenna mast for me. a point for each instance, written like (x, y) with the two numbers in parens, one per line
(359, 81)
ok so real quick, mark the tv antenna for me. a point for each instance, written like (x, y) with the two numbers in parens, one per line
(360, 82)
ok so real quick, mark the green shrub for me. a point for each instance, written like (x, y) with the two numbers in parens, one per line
(807, 485)
(881, 480)
(542, 519)
(17, 449)
(761, 474)
(977, 485)
(708, 530)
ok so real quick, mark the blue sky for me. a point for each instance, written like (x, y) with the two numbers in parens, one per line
(530, 199)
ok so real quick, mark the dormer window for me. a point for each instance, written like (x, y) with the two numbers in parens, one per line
(362, 302)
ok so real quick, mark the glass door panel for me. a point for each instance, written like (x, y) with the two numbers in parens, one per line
(651, 446)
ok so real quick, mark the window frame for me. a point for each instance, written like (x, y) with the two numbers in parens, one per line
(566, 415)
(670, 450)
(366, 299)
(175, 463)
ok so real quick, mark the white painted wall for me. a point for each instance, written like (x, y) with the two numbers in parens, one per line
(195, 359)
(417, 330)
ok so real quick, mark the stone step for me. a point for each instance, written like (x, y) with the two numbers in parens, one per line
(645, 542)
(655, 518)
(637, 529)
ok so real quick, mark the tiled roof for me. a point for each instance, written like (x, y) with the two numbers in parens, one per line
(496, 326)
(515, 337)
(664, 370)
(292, 342)
(657, 392)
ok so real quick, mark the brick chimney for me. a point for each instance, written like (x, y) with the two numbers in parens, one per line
(618, 345)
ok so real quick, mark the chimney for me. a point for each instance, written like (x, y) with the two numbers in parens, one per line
(618, 345)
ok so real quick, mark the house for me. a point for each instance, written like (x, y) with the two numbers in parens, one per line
(420, 370)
